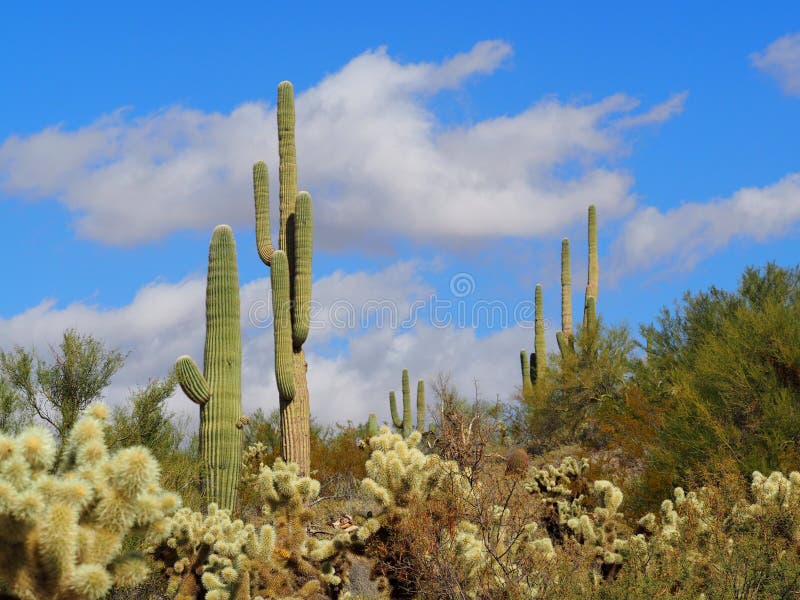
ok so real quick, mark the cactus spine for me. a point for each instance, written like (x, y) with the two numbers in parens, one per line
(218, 389)
(406, 423)
(535, 370)
(290, 277)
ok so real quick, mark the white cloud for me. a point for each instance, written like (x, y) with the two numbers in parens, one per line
(377, 160)
(681, 236)
(658, 114)
(781, 60)
(165, 320)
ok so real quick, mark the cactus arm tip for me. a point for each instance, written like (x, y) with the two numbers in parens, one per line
(261, 196)
(191, 380)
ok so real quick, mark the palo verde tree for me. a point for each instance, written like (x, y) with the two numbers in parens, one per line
(57, 391)
(290, 277)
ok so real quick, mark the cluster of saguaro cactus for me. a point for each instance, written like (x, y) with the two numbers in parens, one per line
(218, 390)
(61, 535)
(218, 558)
(566, 337)
(533, 369)
(405, 424)
(290, 277)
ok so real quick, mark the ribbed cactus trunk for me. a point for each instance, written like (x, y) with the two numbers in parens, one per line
(593, 278)
(406, 423)
(218, 389)
(534, 370)
(539, 342)
(290, 277)
(565, 337)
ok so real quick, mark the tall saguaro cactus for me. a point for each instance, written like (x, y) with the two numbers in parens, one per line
(534, 370)
(565, 337)
(290, 277)
(218, 390)
(406, 423)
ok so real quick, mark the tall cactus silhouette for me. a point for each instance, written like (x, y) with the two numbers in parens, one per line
(218, 389)
(565, 337)
(290, 277)
(534, 370)
(406, 423)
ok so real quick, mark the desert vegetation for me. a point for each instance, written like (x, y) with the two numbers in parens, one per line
(666, 467)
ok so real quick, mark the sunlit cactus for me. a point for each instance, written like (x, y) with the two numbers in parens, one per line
(218, 390)
(62, 526)
(290, 277)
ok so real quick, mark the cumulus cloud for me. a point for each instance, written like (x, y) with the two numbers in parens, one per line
(781, 60)
(165, 320)
(681, 236)
(371, 151)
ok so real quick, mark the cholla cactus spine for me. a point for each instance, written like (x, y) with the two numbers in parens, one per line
(218, 390)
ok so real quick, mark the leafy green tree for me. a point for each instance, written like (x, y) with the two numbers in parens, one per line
(145, 420)
(57, 391)
(723, 371)
(14, 412)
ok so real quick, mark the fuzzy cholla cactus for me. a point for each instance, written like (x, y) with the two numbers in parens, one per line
(217, 558)
(774, 494)
(61, 534)
(399, 475)
(557, 480)
(213, 551)
(600, 528)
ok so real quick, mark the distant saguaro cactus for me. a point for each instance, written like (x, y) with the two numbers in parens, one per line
(406, 423)
(218, 390)
(534, 370)
(566, 337)
(290, 277)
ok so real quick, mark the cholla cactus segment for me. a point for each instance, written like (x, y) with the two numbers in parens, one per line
(61, 534)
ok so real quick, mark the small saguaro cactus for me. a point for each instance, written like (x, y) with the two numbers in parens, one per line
(566, 337)
(372, 425)
(534, 370)
(405, 424)
(290, 278)
(218, 390)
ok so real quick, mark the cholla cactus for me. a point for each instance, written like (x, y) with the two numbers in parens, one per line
(399, 475)
(61, 534)
(217, 558)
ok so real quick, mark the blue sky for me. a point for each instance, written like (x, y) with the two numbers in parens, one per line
(438, 143)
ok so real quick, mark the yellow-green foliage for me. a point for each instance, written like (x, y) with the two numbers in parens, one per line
(226, 559)
(62, 526)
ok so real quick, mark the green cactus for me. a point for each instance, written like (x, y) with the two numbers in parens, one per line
(594, 264)
(566, 337)
(62, 526)
(290, 277)
(372, 425)
(535, 370)
(218, 389)
(406, 424)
